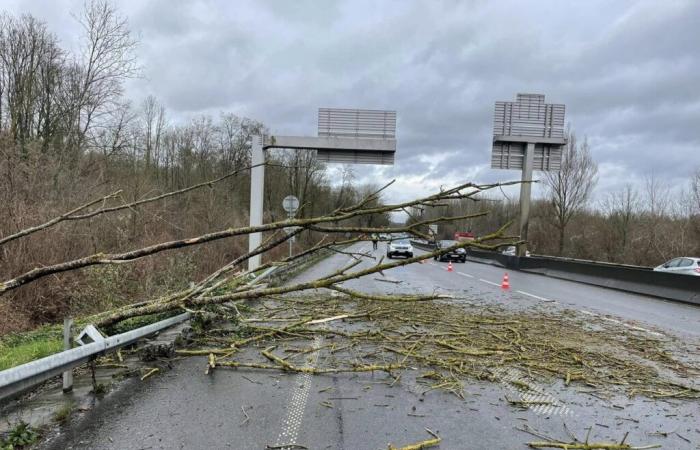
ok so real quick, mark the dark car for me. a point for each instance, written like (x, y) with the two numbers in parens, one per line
(458, 254)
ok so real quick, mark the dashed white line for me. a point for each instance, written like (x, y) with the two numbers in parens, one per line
(490, 282)
(287, 438)
(609, 319)
(634, 327)
(615, 321)
(536, 296)
(583, 311)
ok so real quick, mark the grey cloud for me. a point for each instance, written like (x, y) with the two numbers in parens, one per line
(627, 71)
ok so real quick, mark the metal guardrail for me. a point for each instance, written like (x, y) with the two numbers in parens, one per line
(622, 277)
(18, 379)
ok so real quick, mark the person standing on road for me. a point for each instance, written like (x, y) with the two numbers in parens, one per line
(374, 241)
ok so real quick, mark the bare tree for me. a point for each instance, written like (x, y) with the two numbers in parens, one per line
(153, 124)
(620, 208)
(108, 59)
(656, 207)
(570, 188)
(695, 190)
(30, 62)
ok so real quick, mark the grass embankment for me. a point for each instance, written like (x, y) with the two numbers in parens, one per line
(21, 348)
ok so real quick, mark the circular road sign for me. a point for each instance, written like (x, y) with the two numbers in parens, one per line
(290, 204)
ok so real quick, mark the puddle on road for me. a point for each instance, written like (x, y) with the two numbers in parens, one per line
(40, 408)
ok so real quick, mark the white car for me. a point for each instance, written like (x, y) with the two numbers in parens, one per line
(685, 265)
(399, 248)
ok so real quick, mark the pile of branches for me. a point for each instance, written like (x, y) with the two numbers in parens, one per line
(451, 340)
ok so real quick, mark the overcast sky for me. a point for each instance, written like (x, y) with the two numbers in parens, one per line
(628, 72)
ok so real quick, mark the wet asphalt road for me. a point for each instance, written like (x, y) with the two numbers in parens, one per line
(186, 409)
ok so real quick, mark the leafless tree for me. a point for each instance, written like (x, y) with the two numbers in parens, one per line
(30, 64)
(107, 60)
(695, 190)
(153, 127)
(570, 188)
(620, 208)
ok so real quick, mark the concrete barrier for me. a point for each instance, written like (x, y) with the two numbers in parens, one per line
(636, 279)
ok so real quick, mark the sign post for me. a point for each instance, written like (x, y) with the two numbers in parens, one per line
(291, 205)
(528, 135)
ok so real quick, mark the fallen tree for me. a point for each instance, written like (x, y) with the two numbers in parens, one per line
(201, 293)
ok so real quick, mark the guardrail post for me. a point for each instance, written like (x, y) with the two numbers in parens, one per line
(68, 374)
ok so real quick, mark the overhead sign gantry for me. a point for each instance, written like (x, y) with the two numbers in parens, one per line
(528, 134)
(349, 136)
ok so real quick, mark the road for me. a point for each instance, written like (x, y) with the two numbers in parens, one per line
(245, 409)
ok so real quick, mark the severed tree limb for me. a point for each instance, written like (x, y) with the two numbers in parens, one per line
(372, 196)
(281, 364)
(73, 214)
(387, 298)
(327, 282)
(101, 258)
(163, 196)
(407, 228)
(428, 443)
(588, 445)
(55, 220)
(177, 298)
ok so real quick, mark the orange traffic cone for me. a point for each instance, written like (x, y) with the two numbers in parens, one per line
(505, 284)
(449, 267)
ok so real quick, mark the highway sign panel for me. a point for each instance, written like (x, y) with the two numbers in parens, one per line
(528, 120)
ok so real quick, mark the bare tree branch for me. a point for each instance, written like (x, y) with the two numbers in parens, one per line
(101, 258)
(55, 220)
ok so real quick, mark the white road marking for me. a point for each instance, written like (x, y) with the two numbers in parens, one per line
(490, 282)
(550, 405)
(630, 326)
(609, 319)
(536, 296)
(634, 327)
(583, 311)
(297, 403)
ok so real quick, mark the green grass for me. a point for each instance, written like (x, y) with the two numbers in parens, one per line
(25, 347)
(20, 436)
(22, 348)
(63, 413)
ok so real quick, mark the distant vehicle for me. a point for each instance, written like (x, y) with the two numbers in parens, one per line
(399, 248)
(458, 254)
(512, 250)
(464, 236)
(685, 266)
